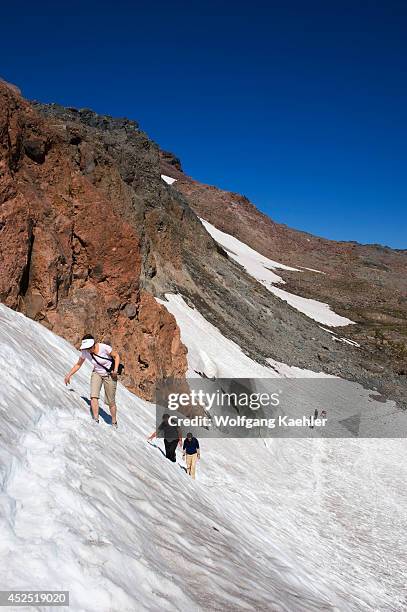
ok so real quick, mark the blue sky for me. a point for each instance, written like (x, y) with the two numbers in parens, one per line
(301, 106)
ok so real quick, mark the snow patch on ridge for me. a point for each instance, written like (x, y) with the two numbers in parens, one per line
(255, 264)
(311, 270)
(211, 353)
(259, 266)
(168, 179)
(318, 311)
(339, 339)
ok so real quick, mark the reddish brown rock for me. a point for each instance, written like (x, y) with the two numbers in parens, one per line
(70, 252)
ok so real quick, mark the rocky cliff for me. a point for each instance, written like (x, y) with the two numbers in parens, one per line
(72, 241)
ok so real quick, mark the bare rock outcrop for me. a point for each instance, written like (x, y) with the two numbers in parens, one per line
(70, 250)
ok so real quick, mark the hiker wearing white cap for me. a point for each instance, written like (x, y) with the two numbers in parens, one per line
(106, 365)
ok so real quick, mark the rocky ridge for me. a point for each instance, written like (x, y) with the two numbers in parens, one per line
(366, 283)
(71, 248)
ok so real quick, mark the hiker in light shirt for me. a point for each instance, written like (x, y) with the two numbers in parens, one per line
(105, 363)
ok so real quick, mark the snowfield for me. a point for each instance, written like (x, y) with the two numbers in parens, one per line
(278, 525)
(210, 353)
(261, 268)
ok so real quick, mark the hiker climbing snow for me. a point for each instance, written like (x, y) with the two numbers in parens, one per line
(106, 366)
(191, 453)
(172, 437)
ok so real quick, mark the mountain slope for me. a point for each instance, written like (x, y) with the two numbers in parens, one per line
(261, 268)
(366, 283)
(290, 525)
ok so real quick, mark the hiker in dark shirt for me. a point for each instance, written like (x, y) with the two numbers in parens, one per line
(172, 437)
(192, 452)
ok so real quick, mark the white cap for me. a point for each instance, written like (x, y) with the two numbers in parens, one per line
(87, 344)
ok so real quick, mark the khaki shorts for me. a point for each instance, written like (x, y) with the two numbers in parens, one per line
(109, 386)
